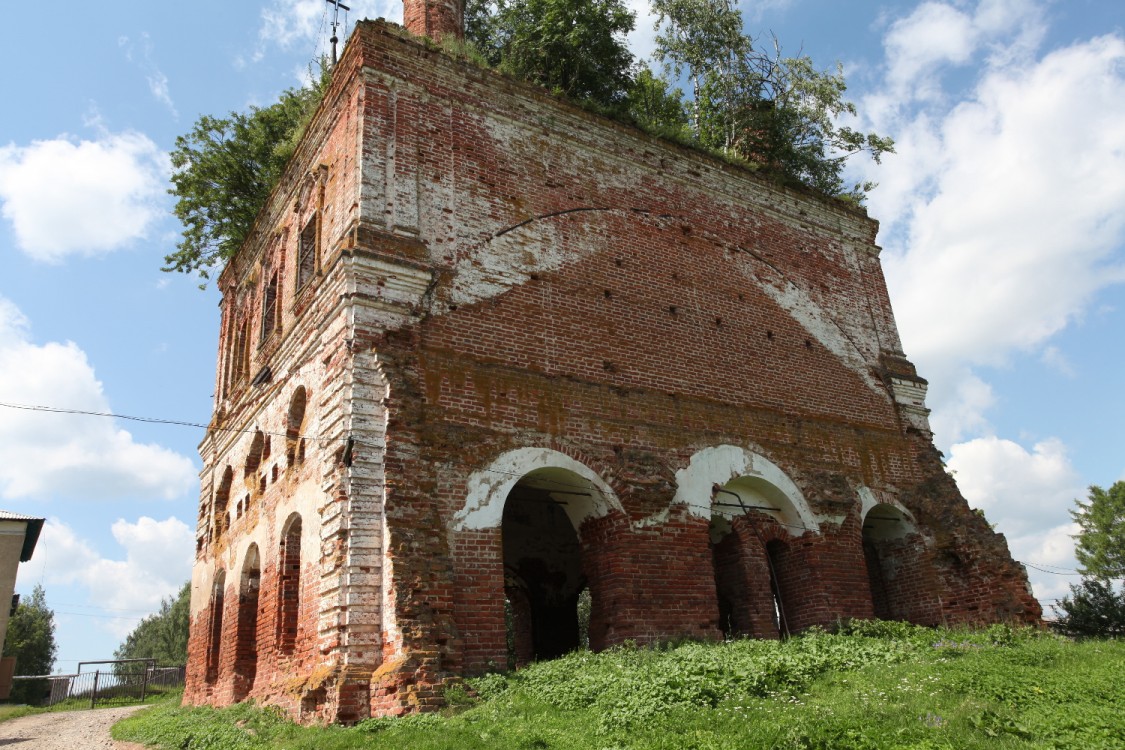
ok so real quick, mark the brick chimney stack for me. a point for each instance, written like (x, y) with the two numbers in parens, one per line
(435, 18)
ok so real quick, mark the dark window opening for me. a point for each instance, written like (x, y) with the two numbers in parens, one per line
(294, 426)
(732, 586)
(544, 581)
(221, 519)
(254, 457)
(246, 635)
(271, 319)
(777, 556)
(214, 645)
(289, 587)
(306, 253)
(240, 354)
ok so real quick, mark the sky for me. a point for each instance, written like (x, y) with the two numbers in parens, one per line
(1002, 226)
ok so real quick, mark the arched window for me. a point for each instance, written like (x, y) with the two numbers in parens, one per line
(891, 561)
(240, 353)
(221, 519)
(246, 636)
(289, 585)
(295, 426)
(306, 253)
(254, 457)
(215, 640)
(271, 310)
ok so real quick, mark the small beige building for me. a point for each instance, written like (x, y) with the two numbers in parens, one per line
(18, 536)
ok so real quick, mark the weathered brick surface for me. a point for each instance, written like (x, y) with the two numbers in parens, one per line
(533, 344)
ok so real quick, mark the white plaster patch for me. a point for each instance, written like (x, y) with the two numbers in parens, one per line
(723, 463)
(489, 488)
(813, 319)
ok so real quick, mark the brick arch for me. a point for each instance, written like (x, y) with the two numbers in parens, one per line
(254, 457)
(760, 523)
(220, 508)
(488, 488)
(295, 420)
(246, 627)
(751, 476)
(893, 554)
(215, 626)
(289, 584)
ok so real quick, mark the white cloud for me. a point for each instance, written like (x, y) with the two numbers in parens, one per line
(70, 197)
(964, 400)
(43, 454)
(937, 36)
(1019, 490)
(1028, 496)
(287, 23)
(157, 561)
(1002, 211)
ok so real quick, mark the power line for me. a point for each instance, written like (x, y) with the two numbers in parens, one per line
(1044, 570)
(150, 420)
(100, 617)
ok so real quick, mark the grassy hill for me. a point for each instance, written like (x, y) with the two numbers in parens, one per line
(874, 685)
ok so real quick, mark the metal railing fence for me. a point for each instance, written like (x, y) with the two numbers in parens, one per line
(122, 683)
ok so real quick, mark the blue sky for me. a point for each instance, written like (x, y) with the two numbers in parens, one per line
(1003, 228)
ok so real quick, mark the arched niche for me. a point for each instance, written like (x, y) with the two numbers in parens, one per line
(289, 585)
(295, 426)
(254, 457)
(891, 552)
(755, 511)
(246, 632)
(221, 518)
(215, 635)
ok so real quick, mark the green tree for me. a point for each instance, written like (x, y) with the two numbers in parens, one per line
(31, 639)
(1093, 609)
(31, 635)
(1101, 539)
(224, 170)
(754, 103)
(657, 107)
(162, 636)
(574, 47)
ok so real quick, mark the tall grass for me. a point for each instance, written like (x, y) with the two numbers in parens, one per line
(874, 685)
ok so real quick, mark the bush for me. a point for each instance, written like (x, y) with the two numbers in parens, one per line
(1093, 609)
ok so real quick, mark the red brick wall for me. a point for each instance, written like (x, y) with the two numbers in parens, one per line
(502, 271)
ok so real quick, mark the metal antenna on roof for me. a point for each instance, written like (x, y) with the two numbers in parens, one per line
(336, 5)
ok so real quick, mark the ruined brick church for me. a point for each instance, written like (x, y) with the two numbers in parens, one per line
(486, 354)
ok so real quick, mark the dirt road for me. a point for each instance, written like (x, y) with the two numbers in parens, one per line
(66, 730)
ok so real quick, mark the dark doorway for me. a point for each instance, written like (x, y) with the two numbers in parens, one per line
(889, 557)
(543, 565)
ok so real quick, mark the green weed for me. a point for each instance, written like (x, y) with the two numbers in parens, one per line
(867, 686)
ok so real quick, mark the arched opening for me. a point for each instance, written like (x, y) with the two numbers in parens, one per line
(246, 637)
(510, 553)
(295, 427)
(752, 576)
(289, 585)
(221, 519)
(254, 458)
(215, 637)
(886, 550)
(544, 576)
